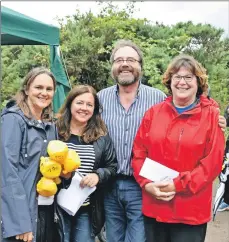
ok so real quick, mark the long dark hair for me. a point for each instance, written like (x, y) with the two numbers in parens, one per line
(21, 97)
(95, 127)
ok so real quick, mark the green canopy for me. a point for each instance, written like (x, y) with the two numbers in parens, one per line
(19, 29)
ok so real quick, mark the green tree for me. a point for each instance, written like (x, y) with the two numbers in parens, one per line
(16, 63)
(87, 41)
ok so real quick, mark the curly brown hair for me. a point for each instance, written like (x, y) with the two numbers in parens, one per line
(95, 127)
(193, 66)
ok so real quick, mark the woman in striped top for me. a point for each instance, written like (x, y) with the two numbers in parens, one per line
(81, 127)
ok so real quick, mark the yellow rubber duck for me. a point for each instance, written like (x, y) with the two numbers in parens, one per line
(72, 162)
(60, 158)
(46, 187)
(49, 168)
(57, 150)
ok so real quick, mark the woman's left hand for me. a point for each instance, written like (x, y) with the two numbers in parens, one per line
(90, 180)
(67, 175)
(25, 237)
(169, 188)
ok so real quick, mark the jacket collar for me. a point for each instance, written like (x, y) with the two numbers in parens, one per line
(116, 89)
(202, 102)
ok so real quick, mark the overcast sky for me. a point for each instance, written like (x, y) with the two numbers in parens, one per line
(170, 12)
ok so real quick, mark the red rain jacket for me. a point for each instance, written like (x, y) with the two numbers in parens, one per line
(191, 143)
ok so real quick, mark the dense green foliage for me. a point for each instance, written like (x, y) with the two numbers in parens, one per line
(87, 41)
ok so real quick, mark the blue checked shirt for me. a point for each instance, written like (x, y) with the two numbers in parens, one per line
(122, 125)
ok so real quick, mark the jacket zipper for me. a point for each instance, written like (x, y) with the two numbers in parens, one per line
(178, 143)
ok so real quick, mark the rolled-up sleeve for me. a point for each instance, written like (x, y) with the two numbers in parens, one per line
(15, 210)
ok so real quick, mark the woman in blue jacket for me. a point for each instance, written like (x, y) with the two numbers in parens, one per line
(26, 131)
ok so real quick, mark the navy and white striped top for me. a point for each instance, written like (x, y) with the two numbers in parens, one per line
(86, 153)
(122, 125)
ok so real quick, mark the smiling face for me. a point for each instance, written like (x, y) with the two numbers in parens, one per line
(184, 92)
(82, 108)
(127, 72)
(40, 93)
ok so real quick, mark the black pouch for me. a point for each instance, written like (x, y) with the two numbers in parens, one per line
(58, 224)
(45, 223)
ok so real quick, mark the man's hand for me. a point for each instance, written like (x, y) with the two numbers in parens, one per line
(222, 123)
(90, 180)
(155, 189)
(25, 237)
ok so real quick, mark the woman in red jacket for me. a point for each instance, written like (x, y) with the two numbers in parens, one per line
(181, 133)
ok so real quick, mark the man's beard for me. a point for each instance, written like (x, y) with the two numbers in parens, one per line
(126, 81)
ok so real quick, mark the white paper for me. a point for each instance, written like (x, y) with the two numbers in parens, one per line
(71, 199)
(155, 171)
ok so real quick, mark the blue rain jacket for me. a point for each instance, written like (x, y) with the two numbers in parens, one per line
(23, 142)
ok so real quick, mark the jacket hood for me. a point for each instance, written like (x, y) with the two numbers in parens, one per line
(11, 107)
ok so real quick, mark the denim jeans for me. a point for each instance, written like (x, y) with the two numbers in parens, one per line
(124, 220)
(78, 228)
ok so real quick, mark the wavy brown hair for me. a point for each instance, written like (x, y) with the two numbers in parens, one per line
(193, 66)
(21, 97)
(95, 127)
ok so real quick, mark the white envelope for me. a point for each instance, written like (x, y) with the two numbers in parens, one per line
(155, 171)
(71, 199)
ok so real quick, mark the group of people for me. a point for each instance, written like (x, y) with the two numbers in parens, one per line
(113, 132)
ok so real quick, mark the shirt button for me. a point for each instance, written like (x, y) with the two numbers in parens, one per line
(45, 141)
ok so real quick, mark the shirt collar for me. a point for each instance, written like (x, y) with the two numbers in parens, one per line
(140, 86)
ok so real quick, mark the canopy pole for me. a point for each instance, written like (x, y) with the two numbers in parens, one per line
(63, 86)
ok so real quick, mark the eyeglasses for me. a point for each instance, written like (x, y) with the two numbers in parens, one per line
(178, 78)
(129, 61)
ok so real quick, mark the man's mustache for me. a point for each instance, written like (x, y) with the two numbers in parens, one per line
(125, 69)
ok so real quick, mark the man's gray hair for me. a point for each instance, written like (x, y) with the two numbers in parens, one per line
(123, 43)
